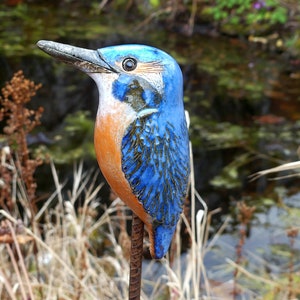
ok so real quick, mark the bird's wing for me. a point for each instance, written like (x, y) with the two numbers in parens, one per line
(156, 164)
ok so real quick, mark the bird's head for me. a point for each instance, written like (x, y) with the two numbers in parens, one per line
(145, 77)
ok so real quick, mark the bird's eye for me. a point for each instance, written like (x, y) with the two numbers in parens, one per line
(129, 64)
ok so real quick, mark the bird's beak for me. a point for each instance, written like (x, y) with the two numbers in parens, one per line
(88, 61)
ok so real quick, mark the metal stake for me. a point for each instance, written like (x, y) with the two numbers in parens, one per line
(136, 256)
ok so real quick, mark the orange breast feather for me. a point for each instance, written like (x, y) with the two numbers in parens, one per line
(109, 131)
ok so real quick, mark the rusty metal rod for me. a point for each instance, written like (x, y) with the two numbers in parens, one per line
(136, 256)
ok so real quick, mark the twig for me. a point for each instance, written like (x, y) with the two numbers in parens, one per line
(22, 264)
(7, 284)
(288, 166)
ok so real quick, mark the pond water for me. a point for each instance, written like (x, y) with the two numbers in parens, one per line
(243, 100)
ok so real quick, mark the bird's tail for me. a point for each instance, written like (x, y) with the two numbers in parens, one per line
(161, 240)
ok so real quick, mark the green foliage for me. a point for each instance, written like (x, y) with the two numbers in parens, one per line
(230, 175)
(155, 3)
(248, 13)
(293, 43)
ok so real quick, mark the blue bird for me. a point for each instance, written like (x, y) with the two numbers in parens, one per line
(141, 136)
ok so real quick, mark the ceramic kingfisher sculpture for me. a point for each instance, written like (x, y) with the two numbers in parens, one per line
(141, 136)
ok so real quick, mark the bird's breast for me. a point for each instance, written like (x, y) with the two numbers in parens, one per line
(110, 128)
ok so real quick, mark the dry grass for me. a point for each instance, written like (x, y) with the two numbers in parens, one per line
(58, 258)
(65, 263)
(63, 266)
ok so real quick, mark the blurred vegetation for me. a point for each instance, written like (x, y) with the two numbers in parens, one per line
(73, 141)
(261, 21)
(248, 16)
(273, 24)
(245, 80)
